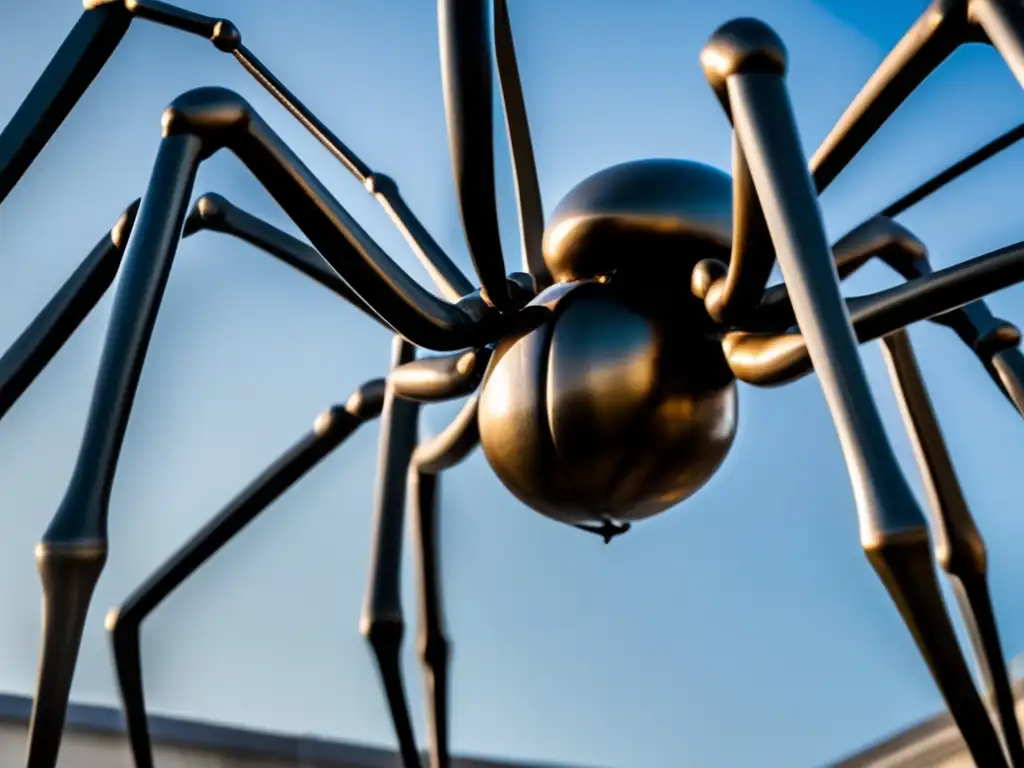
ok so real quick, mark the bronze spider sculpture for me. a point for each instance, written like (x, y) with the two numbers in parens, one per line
(600, 396)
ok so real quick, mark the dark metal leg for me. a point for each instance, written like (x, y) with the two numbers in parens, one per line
(329, 431)
(893, 529)
(994, 341)
(73, 68)
(33, 350)
(223, 119)
(959, 547)
(212, 212)
(431, 458)
(382, 622)
(467, 75)
(74, 547)
(955, 171)
(939, 31)
(432, 643)
(729, 298)
(94, 39)
(776, 358)
(531, 210)
(1003, 23)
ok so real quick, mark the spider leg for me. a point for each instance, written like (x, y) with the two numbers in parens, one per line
(91, 43)
(213, 213)
(382, 622)
(74, 546)
(471, 32)
(531, 209)
(994, 341)
(73, 549)
(329, 431)
(432, 457)
(770, 358)
(467, 76)
(33, 350)
(958, 545)
(731, 292)
(70, 72)
(441, 377)
(745, 63)
(938, 32)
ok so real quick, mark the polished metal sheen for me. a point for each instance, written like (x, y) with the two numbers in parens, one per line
(600, 381)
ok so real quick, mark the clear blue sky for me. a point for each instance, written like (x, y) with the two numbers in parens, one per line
(742, 628)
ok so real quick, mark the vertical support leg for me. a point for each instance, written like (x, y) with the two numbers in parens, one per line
(959, 547)
(745, 62)
(382, 623)
(431, 458)
(73, 550)
(431, 641)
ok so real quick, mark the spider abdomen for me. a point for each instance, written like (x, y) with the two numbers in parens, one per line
(606, 412)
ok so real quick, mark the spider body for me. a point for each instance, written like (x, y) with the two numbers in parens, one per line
(622, 404)
(602, 375)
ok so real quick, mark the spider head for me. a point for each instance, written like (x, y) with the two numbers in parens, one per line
(646, 222)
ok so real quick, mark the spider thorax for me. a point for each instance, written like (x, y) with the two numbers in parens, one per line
(621, 404)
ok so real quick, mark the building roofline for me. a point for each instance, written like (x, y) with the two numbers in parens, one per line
(925, 743)
(180, 732)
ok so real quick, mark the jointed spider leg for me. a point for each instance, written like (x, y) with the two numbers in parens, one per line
(940, 30)
(212, 212)
(329, 431)
(994, 341)
(432, 457)
(746, 66)
(33, 350)
(74, 547)
(959, 547)
(731, 292)
(777, 358)
(223, 119)
(91, 43)
(382, 622)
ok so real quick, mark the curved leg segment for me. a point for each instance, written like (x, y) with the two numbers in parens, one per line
(750, 65)
(958, 544)
(776, 358)
(329, 431)
(994, 341)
